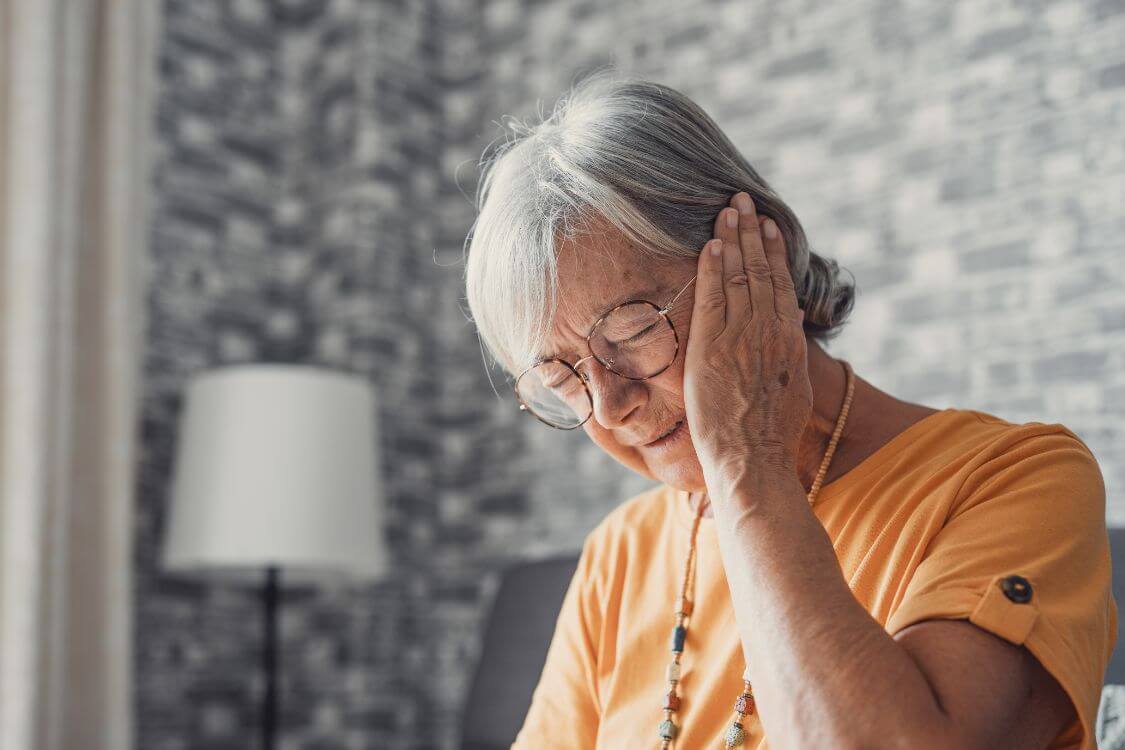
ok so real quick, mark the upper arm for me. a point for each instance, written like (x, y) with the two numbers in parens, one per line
(564, 712)
(991, 692)
(1035, 509)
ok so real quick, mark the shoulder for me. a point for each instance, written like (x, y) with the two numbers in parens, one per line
(1005, 434)
(1029, 454)
(972, 433)
(971, 448)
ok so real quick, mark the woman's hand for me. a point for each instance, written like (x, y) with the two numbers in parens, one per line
(746, 385)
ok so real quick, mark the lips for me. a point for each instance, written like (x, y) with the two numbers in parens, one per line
(664, 434)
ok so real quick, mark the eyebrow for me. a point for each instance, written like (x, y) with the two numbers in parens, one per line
(645, 292)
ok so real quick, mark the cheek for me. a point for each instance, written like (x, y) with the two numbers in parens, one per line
(603, 438)
(668, 386)
(606, 440)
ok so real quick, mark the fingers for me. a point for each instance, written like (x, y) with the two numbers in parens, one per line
(784, 293)
(709, 313)
(753, 255)
(749, 275)
(734, 276)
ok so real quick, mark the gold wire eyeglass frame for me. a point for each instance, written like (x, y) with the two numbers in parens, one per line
(661, 311)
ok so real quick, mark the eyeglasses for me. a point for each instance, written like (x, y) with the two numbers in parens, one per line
(635, 340)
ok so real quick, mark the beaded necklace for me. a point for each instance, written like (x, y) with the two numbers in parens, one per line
(744, 704)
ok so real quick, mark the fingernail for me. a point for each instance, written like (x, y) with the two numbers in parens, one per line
(742, 200)
(732, 219)
(716, 247)
(770, 229)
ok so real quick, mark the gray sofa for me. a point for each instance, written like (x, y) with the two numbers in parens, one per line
(516, 636)
(522, 620)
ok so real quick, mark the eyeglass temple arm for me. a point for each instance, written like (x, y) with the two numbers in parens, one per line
(669, 305)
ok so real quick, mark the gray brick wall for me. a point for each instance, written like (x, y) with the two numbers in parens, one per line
(963, 160)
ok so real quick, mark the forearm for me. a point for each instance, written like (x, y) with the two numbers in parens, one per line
(824, 673)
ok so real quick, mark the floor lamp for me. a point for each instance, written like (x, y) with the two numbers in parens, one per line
(276, 470)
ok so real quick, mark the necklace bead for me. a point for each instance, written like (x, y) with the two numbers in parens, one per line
(678, 636)
(744, 705)
(674, 672)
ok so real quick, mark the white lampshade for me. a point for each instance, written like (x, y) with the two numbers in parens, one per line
(276, 466)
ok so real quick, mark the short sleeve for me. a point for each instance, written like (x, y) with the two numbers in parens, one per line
(1025, 555)
(564, 711)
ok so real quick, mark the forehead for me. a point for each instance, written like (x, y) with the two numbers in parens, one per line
(597, 270)
(598, 264)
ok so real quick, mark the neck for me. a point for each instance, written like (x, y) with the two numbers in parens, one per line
(829, 387)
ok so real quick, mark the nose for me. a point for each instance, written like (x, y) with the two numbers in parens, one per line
(615, 397)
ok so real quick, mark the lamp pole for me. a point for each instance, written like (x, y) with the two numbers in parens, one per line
(270, 656)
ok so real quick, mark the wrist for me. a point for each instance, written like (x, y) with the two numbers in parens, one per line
(755, 486)
(755, 471)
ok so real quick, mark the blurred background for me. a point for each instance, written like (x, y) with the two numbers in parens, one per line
(188, 185)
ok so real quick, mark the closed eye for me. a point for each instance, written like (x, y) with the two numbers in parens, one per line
(635, 337)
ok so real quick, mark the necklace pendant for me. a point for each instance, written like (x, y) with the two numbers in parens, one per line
(668, 729)
(735, 735)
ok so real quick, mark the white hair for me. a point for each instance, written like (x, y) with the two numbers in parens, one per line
(645, 158)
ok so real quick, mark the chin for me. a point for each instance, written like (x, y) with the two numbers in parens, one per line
(681, 472)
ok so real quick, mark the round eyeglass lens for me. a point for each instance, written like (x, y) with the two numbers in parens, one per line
(635, 340)
(555, 394)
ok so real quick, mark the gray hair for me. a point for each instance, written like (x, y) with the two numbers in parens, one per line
(649, 161)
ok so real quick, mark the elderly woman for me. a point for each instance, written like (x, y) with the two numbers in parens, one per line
(822, 565)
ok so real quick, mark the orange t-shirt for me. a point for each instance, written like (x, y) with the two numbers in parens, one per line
(925, 527)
